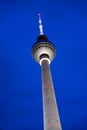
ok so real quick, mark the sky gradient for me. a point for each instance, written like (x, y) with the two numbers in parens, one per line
(65, 24)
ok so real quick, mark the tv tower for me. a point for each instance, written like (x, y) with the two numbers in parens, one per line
(43, 51)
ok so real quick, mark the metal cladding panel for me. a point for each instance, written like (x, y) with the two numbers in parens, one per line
(50, 111)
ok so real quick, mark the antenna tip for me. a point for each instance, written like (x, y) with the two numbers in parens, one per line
(40, 24)
(38, 14)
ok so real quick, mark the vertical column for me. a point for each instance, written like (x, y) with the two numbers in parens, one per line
(50, 112)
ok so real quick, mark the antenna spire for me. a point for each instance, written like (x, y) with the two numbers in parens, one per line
(40, 25)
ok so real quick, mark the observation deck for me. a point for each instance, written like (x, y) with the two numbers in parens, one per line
(43, 48)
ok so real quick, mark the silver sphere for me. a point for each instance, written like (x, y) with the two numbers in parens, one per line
(43, 48)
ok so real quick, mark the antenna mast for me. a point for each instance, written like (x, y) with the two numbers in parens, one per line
(40, 25)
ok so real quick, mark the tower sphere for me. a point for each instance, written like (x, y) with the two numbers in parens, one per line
(43, 49)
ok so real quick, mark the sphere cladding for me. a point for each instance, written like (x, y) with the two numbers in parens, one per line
(41, 48)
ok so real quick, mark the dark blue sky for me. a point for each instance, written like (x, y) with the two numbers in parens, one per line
(65, 24)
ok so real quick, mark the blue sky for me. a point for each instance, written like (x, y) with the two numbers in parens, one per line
(65, 24)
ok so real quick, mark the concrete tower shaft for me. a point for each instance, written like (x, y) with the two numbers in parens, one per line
(43, 51)
(50, 111)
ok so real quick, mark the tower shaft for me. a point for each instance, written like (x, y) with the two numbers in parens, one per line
(50, 111)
